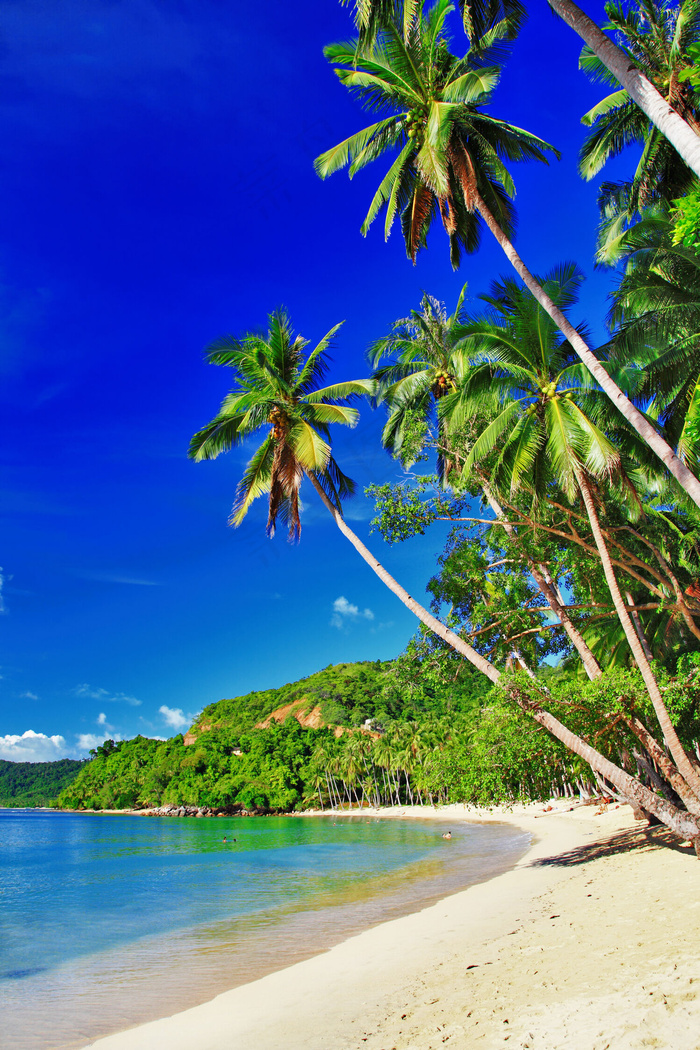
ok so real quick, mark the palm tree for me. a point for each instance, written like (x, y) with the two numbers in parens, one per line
(545, 430)
(425, 364)
(658, 109)
(480, 17)
(277, 388)
(449, 164)
(428, 362)
(656, 38)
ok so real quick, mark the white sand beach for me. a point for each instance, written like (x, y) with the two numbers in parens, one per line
(590, 942)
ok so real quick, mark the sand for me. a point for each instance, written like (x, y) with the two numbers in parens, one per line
(590, 942)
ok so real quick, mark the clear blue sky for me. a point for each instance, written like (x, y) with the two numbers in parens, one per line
(156, 192)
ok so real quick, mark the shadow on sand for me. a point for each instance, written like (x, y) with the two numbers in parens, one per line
(626, 841)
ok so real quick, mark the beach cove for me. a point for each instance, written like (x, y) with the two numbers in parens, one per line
(110, 920)
(589, 942)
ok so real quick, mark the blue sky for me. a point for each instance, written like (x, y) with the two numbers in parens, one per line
(157, 192)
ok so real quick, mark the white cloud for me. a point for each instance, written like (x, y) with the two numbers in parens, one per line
(89, 741)
(174, 717)
(28, 696)
(92, 693)
(344, 613)
(102, 720)
(32, 747)
(116, 577)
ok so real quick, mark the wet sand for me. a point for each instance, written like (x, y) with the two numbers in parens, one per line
(590, 942)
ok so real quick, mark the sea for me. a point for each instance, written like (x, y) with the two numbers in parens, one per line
(111, 920)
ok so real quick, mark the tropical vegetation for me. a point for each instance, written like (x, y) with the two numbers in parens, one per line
(561, 649)
(32, 784)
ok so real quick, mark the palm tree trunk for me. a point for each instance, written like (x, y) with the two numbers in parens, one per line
(683, 824)
(430, 621)
(632, 414)
(680, 823)
(660, 113)
(546, 586)
(677, 750)
(669, 771)
(636, 620)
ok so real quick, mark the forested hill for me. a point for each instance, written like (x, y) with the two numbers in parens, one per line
(35, 783)
(341, 694)
(272, 749)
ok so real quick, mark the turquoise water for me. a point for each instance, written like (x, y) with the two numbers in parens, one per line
(107, 921)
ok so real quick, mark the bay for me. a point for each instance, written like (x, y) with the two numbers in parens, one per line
(111, 920)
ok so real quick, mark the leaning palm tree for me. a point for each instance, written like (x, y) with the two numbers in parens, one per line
(275, 386)
(655, 37)
(449, 163)
(544, 431)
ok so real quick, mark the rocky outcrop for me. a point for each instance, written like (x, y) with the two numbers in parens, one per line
(298, 709)
(192, 733)
(202, 811)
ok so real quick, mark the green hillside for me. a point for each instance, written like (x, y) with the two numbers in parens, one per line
(346, 695)
(237, 756)
(35, 783)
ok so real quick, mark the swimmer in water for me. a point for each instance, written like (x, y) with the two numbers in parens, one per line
(447, 835)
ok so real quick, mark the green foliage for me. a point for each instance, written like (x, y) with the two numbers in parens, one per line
(685, 216)
(35, 783)
(339, 690)
(691, 74)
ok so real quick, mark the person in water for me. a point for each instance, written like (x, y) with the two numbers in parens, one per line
(447, 835)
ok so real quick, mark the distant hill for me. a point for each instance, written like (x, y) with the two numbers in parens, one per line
(35, 783)
(339, 695)
(282, 749)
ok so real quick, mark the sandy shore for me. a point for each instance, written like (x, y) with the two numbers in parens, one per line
(590, 942)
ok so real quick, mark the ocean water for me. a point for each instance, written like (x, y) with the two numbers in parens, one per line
(108, 921)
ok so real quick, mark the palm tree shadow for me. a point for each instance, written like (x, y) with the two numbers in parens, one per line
(625, 841)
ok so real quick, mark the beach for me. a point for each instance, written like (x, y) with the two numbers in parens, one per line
(589, 942)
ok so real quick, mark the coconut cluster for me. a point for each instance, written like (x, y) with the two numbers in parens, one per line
(279, 422)
(415, 120)
(443, 382)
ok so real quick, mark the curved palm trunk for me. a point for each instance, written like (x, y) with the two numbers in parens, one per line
(657, 753)
(682, 824)
(430, 621)
(677, 750)
(633, 416)
(546, 586)
(658, 110)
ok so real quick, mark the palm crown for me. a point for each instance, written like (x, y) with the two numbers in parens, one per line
(478, 18)
(541, 400)
(425, 365)
(277, 387)
(450, 152)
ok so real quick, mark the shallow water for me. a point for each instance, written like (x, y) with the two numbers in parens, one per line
(108, 921)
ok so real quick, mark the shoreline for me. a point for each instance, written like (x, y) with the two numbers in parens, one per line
(589, 941)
